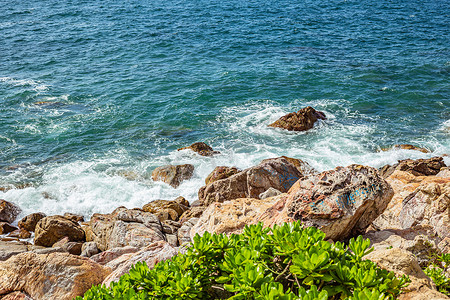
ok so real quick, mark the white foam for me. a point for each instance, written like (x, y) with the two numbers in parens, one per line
(36, 85)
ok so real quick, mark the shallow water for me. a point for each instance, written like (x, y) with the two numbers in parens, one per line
(95, 95)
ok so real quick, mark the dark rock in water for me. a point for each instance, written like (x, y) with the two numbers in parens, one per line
(201, 148)
(279, 173)
(301, 120)
(418, 167)
(6, 228)
(8, 211)
(29, 222)
(74, 217)
(407, 147)
(20, 234)
(51, 229)
(173, 175)
(221, 172)
(166, 209)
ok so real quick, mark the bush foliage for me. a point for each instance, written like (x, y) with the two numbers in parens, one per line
(439, 271)
(285, 262)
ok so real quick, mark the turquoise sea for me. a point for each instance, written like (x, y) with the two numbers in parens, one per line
(96, 94)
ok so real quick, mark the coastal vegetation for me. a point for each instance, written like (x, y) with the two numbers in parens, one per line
(284, 262)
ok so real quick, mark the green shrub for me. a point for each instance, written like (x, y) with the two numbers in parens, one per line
(438, 271)
(286, 262)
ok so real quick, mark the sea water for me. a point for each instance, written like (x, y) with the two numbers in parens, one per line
(96, 94)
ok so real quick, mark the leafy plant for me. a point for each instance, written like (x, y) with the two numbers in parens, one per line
(286, 262)
(438, 271)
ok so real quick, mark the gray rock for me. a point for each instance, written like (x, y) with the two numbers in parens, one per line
(271, 192)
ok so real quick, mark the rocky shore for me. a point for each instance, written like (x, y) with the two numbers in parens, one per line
(404, 209)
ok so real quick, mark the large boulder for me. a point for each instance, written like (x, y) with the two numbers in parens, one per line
(8, 211)
(173, 175)
(341, 202)
(152, 254)
(50, 276)
(280, 173)
(402, 262)
(301, 120)
(29, 222)
(125, 227)
(201, 148)
(166, 209)
(418, 167)
(221, 172)
(51, 229)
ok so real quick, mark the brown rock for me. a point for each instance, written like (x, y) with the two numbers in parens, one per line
(51, 229)
(16, 296)
(29, 222)
(124, 227)
(301, 120)
(418, 167)
(152, 254)
(50, 276)
(341, 202)
(183, 234)
(6, 228)
(68, 246)
(74, 217)
(402, 262)
(407, 147)
(166, 209)
(201, 148)
(173, 175)
(278, 173)
(105, 257)
(20, 233)
(89, 249)
(221, 172)
(8, 211)
(193, 212)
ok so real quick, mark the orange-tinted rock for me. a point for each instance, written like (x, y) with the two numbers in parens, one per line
(74, 217)
(16, 296)
(301, 120)
(173, 175)
(51, 229)
(193, 212)
(20, 233)
(8, 211)
(29, 222)
(201, 148)
(418, 167)
(6, 228)
(166, 209)
(59, 276)
(221, 172)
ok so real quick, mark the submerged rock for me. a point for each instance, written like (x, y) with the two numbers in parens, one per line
(407, 147)
(173, 175)
(51, 229)
(280, 173)
(8, 211)
(29, 222)
(50, 276)
(301, 120)
(201, 148)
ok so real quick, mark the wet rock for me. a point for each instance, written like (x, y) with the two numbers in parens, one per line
(20, 234)
(125, 227)
(183, 234)
(301, 120)
(166, 209)
(74, 217)
(105, 257)
(173, 175)
(51, 229)
(50, 276)
(89, 249)
(29, 222)
(201, 148)
(418, 167)
(407, 147)
(152, 254)
(279, 173)
(8, 211)
(402, 262)
(271, 192)
(221, 172)
(6, 228)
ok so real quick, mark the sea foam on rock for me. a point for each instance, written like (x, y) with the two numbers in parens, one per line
(301, 120)
(173, 175)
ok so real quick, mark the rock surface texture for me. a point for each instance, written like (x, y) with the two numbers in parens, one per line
(50, 276)
(201, 148)
(418, 167)
(166, 209)
(29, 222)
(8, 211)
(301, 120)
(221, 172)
(341, 202)
(51, 229)
(280, 173)
(173, 175)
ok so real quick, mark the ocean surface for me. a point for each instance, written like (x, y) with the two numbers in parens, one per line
(94, 95)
